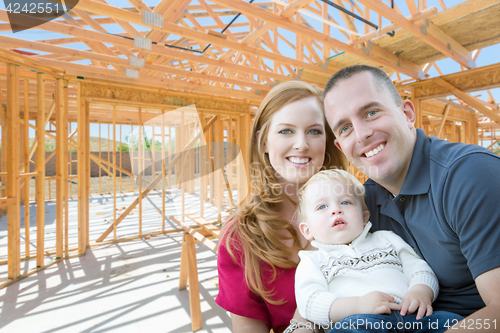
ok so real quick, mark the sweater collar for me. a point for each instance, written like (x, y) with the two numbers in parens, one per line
(330, 247)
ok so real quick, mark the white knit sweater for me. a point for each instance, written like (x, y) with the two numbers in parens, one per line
(379, 261)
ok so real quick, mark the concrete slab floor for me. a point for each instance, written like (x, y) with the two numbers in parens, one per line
(121, 287)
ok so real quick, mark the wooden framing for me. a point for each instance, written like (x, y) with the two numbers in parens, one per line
(40, 166)
(13, 190)
(46, 88)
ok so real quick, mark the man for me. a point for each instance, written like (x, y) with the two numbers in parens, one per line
(440, 197)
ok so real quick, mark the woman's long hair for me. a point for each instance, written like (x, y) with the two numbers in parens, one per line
(257, 227)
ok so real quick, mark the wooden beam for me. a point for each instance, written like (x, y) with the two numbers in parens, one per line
(94, 45)
(443, 121)
(110, 74)
(124, 62)
(26, 62)
(156, 49)
(293, 7)
(139, 5)
(196, 234)
(172, 11)
(411, 6)
(480, 78)
(98, 159)
(349, 21)
(469, 100)
(210, 227)
(380, 55)
(7, 201)
(97, 27)
(100, 162)
(190, 33)
(413, 18)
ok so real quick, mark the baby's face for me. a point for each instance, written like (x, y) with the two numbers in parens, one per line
(334, 216)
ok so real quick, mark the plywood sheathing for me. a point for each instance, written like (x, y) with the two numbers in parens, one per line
(473, 24)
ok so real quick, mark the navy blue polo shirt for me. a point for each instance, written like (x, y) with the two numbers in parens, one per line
(448, 211)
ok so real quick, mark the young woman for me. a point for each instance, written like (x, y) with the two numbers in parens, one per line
(258, 254)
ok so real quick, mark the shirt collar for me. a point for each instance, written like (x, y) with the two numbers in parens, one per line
(418, 178)
(330, 247)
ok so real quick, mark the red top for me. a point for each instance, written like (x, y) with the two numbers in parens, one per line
(235, 296)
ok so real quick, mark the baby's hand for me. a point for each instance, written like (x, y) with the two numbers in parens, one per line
(377, 302)
(418, 298)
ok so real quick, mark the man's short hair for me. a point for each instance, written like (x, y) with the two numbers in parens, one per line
(381, 78)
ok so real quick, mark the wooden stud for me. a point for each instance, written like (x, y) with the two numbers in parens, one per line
(13, 192)
(3, 162)
(40, 167)
(211, 165)
(239, 178)
(163, 183)
(183, 173)
(169, 151)
(230, 165)
(218, 160)
(114, 169)
(121, 159)
(64, 180)
(152, 157)
(100, 156)
(70, 162)
(60, 140)
(202, 160)
(191, 169)
(462, 132)
(178, 146)
(132, 155)
(26, 169)
(109, 159)
(82, 173)
(473, 129)
(140, 168)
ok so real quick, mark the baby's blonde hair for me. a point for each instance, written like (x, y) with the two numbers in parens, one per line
(353, 184)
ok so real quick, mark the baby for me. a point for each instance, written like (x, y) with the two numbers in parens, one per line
(370, 281)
